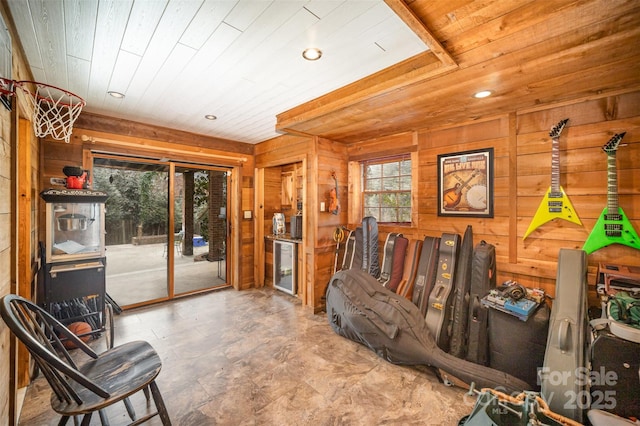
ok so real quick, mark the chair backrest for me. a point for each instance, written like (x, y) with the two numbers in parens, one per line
(43, 336)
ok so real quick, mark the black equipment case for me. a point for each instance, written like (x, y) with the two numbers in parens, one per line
(615, 374)
(517, 347)
(483, 279)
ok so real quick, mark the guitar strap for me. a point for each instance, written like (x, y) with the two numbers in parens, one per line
(439, 307)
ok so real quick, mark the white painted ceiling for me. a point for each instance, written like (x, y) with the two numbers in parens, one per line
(178, 60)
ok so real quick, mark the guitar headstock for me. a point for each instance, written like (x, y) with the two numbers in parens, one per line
(557, 129)
(611, 146)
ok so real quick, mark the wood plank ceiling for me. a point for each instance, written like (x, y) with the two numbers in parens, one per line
(527, 52)
(178, 60)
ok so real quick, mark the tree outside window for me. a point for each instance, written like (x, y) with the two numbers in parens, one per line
(386, 187)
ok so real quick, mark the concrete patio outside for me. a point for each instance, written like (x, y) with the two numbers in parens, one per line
(137, 273)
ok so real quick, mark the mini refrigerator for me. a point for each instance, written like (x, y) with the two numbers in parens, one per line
(284, 266)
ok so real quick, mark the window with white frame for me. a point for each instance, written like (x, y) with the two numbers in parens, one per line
(386, 189)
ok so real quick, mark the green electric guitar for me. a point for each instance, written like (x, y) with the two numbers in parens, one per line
(555, 203)
(612, 225)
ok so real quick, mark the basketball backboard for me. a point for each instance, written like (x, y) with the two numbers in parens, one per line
(5, 64)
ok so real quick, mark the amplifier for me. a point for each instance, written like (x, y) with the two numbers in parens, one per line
(618, 277)
(296, 227)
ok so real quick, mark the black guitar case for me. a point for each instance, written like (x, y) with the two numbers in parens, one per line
(387, 258)
(370, 260)
(461, 289)
(440, 301)
(427, 268)
(483, 279)
(517, 347)
(360, 309)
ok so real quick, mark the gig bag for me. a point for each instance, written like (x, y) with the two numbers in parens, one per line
(483, 279)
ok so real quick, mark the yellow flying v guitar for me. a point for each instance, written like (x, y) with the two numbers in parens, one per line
(555, 203)
(612, 225)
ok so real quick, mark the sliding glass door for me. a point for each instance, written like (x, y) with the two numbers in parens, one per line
(200, 200)
(166, 228)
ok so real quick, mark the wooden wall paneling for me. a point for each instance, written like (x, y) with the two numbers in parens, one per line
(513, 188)
(331, 157)
(58, 154)
(25, 251)
(401, 143)
(259, 229)
(282, 150)
(583, 168)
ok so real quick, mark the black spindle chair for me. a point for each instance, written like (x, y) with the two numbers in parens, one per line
(104, 379)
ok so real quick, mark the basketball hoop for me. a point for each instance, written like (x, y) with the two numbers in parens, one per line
(54, 110)
(6, 87)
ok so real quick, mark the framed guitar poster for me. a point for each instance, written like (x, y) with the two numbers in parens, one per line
(465, 183)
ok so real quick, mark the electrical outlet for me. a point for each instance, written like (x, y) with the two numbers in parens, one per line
(322, 206)
(247, 214)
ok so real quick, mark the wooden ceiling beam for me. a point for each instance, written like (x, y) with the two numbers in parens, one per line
(420, 29)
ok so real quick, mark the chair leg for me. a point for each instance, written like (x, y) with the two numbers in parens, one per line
(104, 420)
(86, 420)
(130, 410)
(162, 410)
(63, 420)
(146, 393)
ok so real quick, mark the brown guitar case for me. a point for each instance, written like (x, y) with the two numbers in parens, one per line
(410, 272)
(397, 267)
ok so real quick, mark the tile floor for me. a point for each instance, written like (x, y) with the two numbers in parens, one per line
(257, 357)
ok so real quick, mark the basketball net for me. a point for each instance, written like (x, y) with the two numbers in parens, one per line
(54, 110)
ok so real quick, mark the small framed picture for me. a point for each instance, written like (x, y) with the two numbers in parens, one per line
(465, 183)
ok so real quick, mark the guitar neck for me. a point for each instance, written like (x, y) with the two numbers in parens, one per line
(555, 166)
(612, 185)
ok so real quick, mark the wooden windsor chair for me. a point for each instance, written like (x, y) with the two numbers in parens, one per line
(103, 380)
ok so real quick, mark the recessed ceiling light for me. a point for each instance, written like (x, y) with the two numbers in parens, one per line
(482, 94)
(210, 117)
(312, 54)
(115, 94)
